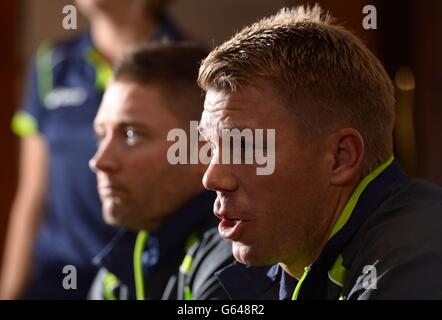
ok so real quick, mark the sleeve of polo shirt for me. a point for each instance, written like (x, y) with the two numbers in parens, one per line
(416, 278)
(411, 264)
(29, 119)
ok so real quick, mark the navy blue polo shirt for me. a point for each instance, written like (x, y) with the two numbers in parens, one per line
(164, 250)
(246, 282)
(64, 90)
(315, 285)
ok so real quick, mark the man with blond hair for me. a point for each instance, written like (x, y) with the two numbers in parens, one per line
(338, 215)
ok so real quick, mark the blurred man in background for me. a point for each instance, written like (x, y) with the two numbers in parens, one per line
(56, 217)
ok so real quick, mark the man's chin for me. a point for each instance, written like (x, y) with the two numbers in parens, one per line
(120, 221)
(249, 254)
(115, 215)
(113, 218)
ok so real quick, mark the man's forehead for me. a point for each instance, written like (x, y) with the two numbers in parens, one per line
(114, 111)
(222, 113)
(215, 100)
(248, 107)
(115, 120)
(242, 98)
(124, 102)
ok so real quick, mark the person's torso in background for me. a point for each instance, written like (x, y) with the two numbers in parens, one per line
(64, 93)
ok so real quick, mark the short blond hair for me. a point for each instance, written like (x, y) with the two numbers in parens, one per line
(319, 67)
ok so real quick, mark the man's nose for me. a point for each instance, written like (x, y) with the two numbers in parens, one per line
(105, 159)
(218, 177)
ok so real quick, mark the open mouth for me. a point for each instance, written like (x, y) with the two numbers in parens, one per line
(110, 191)
(230, 228)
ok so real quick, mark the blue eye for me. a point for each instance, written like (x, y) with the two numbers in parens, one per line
(130, 136)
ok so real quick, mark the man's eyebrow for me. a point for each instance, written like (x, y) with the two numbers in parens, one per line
(231, 126)
(130, 123)
(122, 124)
(205, 133)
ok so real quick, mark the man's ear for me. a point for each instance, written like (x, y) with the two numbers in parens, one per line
(346, 151)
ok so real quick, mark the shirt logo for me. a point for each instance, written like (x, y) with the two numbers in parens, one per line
(65, 97)
(151, 256)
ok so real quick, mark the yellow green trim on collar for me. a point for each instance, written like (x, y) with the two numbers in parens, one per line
(338, 272)
(140, 243)
(110, 283)
(351, 203)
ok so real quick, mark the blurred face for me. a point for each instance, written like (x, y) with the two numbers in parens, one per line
(269, 218)
(137, 185)
(91, 8)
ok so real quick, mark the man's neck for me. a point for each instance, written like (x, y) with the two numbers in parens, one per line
(112, 36)
(336, 205)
